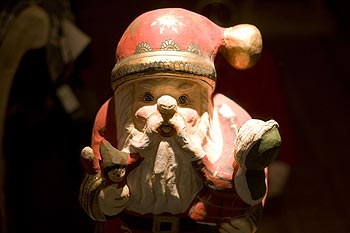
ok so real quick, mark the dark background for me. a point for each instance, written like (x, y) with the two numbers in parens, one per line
(301, 80)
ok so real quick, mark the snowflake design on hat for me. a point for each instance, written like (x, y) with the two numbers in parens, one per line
(169, 21)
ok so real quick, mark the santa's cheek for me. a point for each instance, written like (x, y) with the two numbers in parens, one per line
(190, 115)
(141, 115)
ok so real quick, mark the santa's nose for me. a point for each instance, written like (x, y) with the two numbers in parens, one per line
(166, 105)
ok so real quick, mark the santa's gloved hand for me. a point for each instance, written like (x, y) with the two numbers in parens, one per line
(258, 143)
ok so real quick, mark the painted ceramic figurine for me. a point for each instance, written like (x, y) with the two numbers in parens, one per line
(167, 155)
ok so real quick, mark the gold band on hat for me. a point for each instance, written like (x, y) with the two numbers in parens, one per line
(181, 63)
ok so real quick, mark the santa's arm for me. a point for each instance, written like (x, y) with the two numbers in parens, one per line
(257, 145)
(90, 158)
(97, 196)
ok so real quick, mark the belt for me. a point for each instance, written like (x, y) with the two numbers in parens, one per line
(165, 224)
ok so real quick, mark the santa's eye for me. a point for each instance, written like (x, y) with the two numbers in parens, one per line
(183, 100)
(148, 97)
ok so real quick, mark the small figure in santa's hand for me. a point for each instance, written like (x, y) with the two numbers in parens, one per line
(194, 161)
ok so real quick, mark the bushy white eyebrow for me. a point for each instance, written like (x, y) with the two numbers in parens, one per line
(146, 85)
(186, 86)
(150, 85)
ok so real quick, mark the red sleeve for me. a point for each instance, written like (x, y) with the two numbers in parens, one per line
(104, 128)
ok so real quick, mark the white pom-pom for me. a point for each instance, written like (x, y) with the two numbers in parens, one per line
(242, 45)
(87, 153)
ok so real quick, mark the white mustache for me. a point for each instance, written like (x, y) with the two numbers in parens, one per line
(155, 128)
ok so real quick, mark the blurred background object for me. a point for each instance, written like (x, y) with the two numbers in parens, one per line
(41, 114)
(50, 90)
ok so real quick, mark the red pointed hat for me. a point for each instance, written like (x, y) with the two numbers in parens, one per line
(179, 42)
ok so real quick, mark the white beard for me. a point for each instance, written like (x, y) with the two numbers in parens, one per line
(165, 181)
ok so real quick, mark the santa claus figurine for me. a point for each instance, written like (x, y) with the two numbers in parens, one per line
(167, 155)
